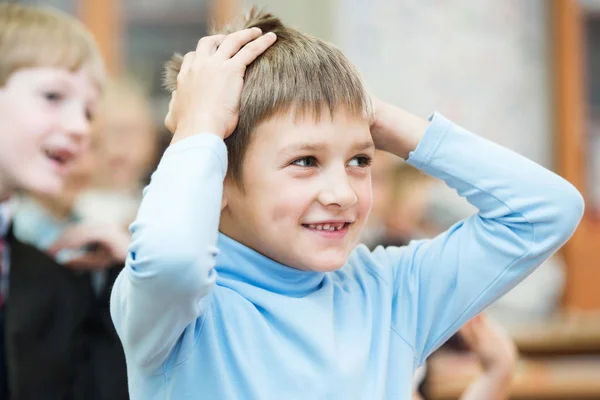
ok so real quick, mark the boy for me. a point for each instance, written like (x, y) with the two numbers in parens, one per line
(246, 284)
(50, 79)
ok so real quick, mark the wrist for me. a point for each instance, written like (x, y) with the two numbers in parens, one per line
(399, 131)
(198, 125)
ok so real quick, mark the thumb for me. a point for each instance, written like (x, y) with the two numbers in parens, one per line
(72, 237)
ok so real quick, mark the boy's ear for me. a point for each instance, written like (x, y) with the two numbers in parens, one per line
(226, 191)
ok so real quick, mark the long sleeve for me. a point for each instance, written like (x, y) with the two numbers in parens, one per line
(170, 267)
(526, 213)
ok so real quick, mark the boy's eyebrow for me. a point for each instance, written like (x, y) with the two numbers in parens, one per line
(311, 147)
(316, 147)
(367, 145)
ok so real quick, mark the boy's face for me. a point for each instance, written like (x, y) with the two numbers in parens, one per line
(45, 116)
(307, 190)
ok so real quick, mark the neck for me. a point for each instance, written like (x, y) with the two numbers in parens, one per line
(238, 264)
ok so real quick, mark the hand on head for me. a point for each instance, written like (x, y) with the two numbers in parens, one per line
(209, 84)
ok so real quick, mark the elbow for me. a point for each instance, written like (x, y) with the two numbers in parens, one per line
(567, 207)
(572, 209)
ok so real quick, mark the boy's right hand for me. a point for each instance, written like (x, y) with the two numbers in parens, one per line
(209, 84)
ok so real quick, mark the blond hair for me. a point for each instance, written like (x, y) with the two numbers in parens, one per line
(299, 74)
(43, 37)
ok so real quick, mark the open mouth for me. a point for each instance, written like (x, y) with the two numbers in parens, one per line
(330, 229)
(60, 157)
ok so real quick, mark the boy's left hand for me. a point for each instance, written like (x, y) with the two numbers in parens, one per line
(111, 244)
(395, 130)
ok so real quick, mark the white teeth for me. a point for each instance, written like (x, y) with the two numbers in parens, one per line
(326, 227)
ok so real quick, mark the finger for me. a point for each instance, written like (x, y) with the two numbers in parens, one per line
(71, 238)
(71, 241)
(186, 64)
(209, 44)
(74, 237)
(254, 49)
(235, 41)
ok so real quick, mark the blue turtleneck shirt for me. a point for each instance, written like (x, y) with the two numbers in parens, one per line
(202, 316)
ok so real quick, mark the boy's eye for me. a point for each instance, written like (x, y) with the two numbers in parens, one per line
(360, 161)
(53, 96)
(305, 162)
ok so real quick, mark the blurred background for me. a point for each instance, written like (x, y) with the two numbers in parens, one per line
(523, 73)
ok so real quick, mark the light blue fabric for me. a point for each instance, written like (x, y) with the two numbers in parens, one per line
(202, 323)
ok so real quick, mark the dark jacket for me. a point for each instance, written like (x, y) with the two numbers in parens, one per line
(59, 338)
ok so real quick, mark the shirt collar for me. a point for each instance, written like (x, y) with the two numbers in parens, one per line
(240, 264)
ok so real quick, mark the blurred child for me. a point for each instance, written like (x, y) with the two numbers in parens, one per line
(103, 189)
(84, 226)
(243, 278)
(126, 150)
(51, 76)
(405, 205)
(496, 354)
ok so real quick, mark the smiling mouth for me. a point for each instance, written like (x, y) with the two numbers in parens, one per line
(60, 157)
(330, 227)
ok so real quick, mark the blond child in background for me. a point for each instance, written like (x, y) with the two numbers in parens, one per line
(51, 77)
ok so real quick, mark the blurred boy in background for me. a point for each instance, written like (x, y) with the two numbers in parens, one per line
(51, 76)
(85, 226)
(126, 152)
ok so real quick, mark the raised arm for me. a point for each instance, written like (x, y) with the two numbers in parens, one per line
(169, 269)
(525, 214)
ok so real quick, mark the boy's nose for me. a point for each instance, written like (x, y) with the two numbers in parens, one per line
(77, 125)
(338, 193)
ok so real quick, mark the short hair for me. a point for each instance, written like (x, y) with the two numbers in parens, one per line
(298, 73)
(43, 37)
